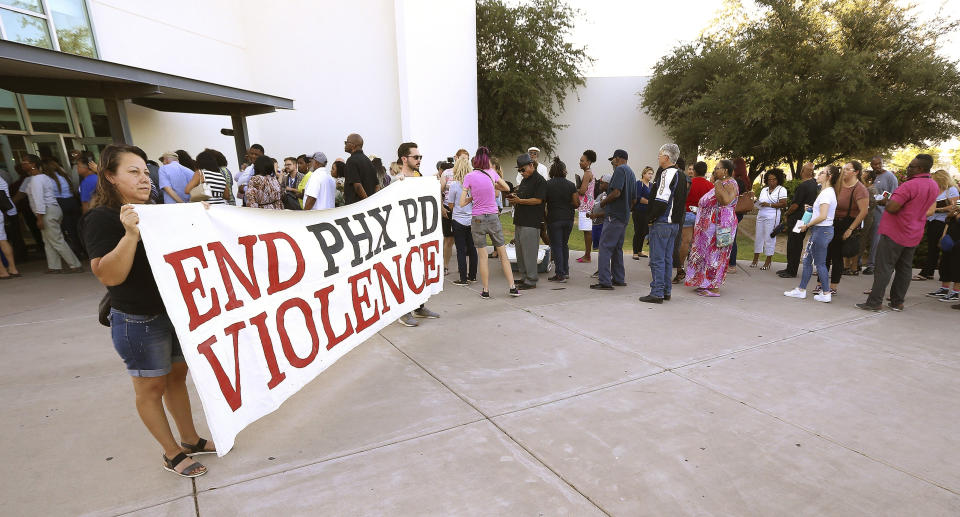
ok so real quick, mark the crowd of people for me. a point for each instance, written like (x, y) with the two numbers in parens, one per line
(690, 221)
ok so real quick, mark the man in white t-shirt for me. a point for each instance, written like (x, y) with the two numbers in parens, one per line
(321, 190)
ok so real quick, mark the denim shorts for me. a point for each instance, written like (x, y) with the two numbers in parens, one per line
(487, 224)
(689, 219)
(148, 345)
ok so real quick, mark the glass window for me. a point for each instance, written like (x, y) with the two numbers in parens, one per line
(24, 28)
(92, 116)
(48, 114)
(73, 27)
(9, 111)
(29, 5)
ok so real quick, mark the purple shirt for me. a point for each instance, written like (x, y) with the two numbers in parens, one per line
(480, 185)
(915, 195)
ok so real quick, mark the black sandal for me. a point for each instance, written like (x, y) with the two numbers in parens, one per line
(193, 470)
(198, 449)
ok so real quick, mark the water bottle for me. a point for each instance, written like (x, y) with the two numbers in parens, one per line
(807, 215)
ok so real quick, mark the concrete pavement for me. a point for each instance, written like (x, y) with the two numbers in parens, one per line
(565, 401)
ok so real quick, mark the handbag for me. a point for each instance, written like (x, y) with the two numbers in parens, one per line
(745, 203)
(103, 310)
(724, 237)
(201, 192)
(947, 243)
(290, 202)
(5, 204)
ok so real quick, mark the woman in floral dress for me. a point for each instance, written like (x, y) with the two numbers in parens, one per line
(707, 262)
(263, 189)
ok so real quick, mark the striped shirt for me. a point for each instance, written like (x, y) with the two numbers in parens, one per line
(217, 184)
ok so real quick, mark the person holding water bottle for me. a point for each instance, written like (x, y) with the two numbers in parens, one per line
(818, 219)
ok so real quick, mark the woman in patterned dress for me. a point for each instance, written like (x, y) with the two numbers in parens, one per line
(263, 190)
(716, 212)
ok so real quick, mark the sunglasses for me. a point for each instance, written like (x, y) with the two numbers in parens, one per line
(415, 156)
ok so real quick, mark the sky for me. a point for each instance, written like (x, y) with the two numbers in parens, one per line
(627, 37)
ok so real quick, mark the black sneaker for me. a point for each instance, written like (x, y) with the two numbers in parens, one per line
(602, 287)
(783, 273)
(868, 270)
(666, 297)
(620, 284)
(486, 296)
(939, 293)
(651, 299)
(460, 282)
(867, 307)
(512, 292)
(954, 296)
(555, 278)
(525, 286)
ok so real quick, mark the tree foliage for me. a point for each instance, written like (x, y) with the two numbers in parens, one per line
(809, 80)
(525, 69)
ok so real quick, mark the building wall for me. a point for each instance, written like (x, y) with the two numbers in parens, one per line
(608, 117)
(339, 61)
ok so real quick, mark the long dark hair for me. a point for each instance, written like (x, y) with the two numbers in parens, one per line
(106, 193)
(52, 168)
(834, 175)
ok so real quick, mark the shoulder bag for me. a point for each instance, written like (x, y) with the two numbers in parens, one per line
(5, 204)
(201, 192)
(745, 202)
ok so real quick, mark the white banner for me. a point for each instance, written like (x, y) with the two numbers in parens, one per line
(265, 300)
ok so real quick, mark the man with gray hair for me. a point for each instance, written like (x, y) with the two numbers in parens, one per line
(666, 213)
(884, 181)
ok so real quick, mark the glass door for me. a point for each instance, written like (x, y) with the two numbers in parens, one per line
(52, 146)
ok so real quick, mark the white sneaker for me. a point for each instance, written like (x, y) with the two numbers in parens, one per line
(796, 293)
(825, 297)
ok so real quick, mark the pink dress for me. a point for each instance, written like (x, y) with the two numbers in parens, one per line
(707, 264)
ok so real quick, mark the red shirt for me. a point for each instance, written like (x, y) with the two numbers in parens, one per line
(698, 188)
(916, 196)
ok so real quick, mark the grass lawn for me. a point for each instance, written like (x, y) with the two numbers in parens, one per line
(744, 243)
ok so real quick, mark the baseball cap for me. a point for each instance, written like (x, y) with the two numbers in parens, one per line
(319, 157)
(169, 154)
(619, 153)
(606, 178)
(523, 160)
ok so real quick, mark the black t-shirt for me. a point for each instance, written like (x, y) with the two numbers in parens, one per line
(360, 170)
(559, 199)
(805, 194)
(138, 294)
(530, 215)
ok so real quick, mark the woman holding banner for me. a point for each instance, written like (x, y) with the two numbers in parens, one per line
(142, 332)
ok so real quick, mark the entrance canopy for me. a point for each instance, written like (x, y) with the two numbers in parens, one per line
(32, 70)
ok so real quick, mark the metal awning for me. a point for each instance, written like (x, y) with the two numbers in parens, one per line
(28, 69)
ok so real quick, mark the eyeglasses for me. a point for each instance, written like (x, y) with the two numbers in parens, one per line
(415, 156)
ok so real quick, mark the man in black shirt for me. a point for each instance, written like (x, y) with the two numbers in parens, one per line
(805, 194)
(527, 218)
(360, 175)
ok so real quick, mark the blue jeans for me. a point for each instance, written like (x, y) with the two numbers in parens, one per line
(662, 238)
(595, 235)
(559, 245)
(816, 255)
(611, 251)
(148, 345)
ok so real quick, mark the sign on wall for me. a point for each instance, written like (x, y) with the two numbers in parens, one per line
(265, 300)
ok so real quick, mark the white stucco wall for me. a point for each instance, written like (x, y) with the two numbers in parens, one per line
(608, 117)
(342, 63)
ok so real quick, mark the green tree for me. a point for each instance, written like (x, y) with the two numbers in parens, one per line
(525, 69)
(810, 80)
